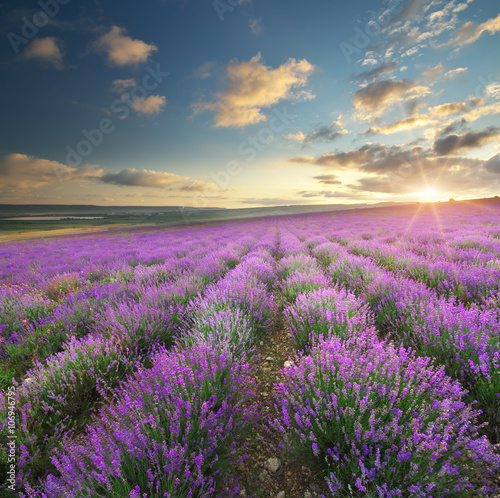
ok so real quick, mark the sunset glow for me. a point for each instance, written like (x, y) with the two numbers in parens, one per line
(250, 103)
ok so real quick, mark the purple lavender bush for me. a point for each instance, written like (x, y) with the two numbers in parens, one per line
(171, 432)
(230, 330)
(296, 263)
(352, 271)
(246, 294)
(303, 282)
(59, 396)
(142, 326)
(324, 313)
(465, 341)
(381, 422)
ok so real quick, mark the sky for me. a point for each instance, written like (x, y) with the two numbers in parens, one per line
(246, 103)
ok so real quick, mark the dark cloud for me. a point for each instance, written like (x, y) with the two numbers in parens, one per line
(445, 175)
(343, 159)
(493, 164)
(21, 171)
(327, 133)
(410, 169)
(409, 10)
(413, 106)
(153, 179)
(328, 179)
(453, 143)
(384, 68)
(379, 95)
(433, 72)
(456, 126)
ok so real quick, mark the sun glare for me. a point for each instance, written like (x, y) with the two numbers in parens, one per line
(428, 194)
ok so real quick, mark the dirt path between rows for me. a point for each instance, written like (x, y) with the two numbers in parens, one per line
(271, 471)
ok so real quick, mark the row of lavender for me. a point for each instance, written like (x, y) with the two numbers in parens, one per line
(463, 338)
(91, 338)
(381, 420)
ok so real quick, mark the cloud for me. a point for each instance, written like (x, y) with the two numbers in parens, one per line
(470, 31)
(204, 71)
(328, 179)
(471, 110)
(401, 125)
(493, 164)
(409, 169)
(409, 10)
(132, 177)
(479, 111)
(123, 50)
(445, 174)
(493, 90)
(376, 97)
(433, 72)
(300, 136)
(303, 159)
(448, 108)
(326, 133)
(384, 68)
(252, 86)
(349, 159)
(403, 170)
(119, 86)
(154, 104)
(23, 172)
(46, 50)
(413, 106)
(256, 26)
(453, 143)
(454, 127)
(455, 72)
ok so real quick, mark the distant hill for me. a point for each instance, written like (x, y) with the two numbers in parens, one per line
(8, 210)
(11, 210)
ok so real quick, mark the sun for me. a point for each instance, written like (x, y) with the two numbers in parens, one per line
(428, 194)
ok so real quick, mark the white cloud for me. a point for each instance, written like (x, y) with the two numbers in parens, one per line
(256, 26)
(123, 50)
(154, 104)
(455, 72)
(204, 71)
(120, 85)
(297, 137)
(470, 31)
(493, 90)
(252, 86)
(46, 50)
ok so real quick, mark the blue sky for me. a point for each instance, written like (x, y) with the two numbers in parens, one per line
(248, 103)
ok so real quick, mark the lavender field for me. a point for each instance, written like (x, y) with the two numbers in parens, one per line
(137, 363)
